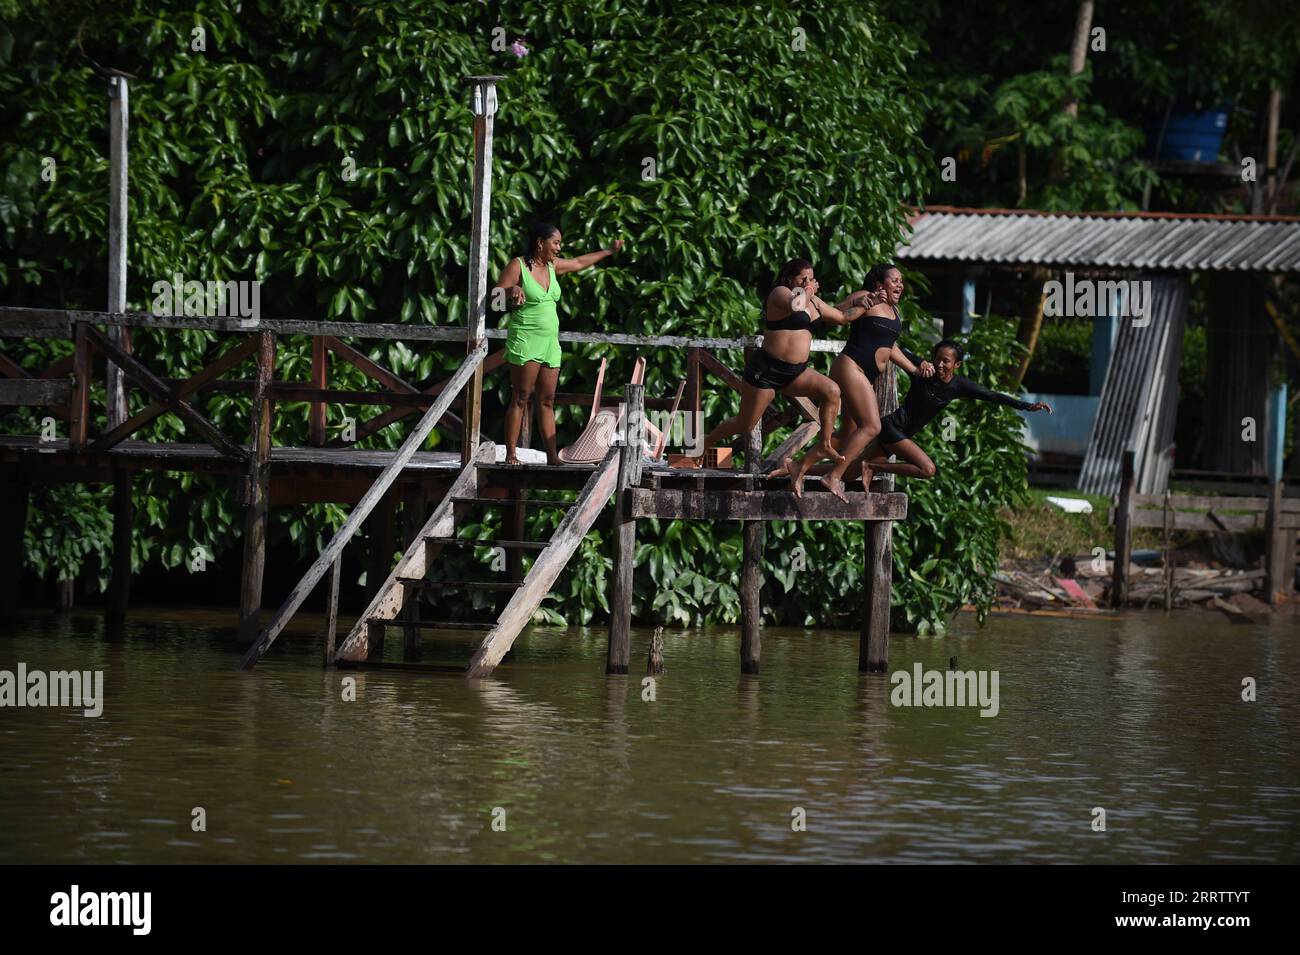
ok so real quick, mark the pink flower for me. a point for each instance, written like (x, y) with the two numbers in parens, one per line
(518, 48)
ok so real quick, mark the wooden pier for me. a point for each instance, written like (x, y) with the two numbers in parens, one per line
(439, 492)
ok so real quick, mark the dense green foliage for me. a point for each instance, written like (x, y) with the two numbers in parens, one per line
(774, 129)
(995, 78)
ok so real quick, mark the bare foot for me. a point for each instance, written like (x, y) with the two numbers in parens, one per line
(795, 470)
(827, 450)
(866, 477)
(835, 486)
(511, 459)
(553, 460)
(782, 469)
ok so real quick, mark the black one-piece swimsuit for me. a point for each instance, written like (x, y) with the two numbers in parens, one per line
(870, 333)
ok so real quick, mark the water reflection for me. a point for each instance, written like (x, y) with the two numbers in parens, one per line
(1141, 715)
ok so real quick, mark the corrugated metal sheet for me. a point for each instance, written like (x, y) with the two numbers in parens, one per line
(1139, 401)
(1120, 241)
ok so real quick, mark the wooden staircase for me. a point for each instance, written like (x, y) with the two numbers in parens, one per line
(409, 577)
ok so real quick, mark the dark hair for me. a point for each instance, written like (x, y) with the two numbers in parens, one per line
(949, 343)
(877, 275)
(790, 270)
(542, 231)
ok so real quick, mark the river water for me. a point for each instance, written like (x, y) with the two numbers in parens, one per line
(1141, 716)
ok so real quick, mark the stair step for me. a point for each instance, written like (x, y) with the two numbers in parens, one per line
(507, 544)
(506, 501)
(415, 582)
(433, 624)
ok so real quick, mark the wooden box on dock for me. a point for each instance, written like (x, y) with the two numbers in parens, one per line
(713, 458)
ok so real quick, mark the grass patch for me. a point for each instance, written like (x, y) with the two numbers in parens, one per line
(1040, 530)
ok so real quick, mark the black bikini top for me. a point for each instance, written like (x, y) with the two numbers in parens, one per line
(794, 322)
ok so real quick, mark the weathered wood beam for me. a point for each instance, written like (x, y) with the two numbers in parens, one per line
(257, 498)
(751, 569)
(227, 361)
(33, 392)
(79, 403)
(380, 421)
(765, 506)
(390, 598)
(18, 322)
(568, 535)
(368, 367)
(319, 381)
(620, 607)
(359, 513)
(147, 380)
(1123, 532)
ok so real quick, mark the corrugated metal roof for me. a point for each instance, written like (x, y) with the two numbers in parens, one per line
(1119, 240)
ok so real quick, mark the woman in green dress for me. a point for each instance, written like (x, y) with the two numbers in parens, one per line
(533, 338)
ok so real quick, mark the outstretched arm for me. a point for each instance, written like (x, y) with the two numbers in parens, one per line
(910, 362)
(971, 389)
(563, 266)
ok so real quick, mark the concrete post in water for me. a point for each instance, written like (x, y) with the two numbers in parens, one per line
(1123, 532)
(751, 567)
(629, 476)
(483, 101)
(118, 112)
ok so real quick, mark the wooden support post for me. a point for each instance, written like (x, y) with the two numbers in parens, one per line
(257, 493)
(414, 516)
(79, 406)
(320, 377)
(119, 585)
(695, 420)
(14, 493)
(118, 112)
(629, 476)
(1169, 553)
(751, 568)
(332, 611)
(1279, 543)
(65, 589)
(654, 664)
(1123, 532)
(379, 558)
(483, 101)
(878, 559)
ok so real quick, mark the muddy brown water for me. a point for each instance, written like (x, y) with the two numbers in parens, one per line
(1140, 715)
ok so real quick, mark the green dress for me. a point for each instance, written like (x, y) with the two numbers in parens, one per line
(534, 333)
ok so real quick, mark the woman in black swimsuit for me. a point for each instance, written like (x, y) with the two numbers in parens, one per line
(791, 312)
(873, 342)
(925, 399)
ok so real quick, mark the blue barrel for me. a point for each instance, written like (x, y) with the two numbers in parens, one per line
(1192, 136)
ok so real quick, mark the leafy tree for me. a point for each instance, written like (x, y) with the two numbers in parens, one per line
(773, 130)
